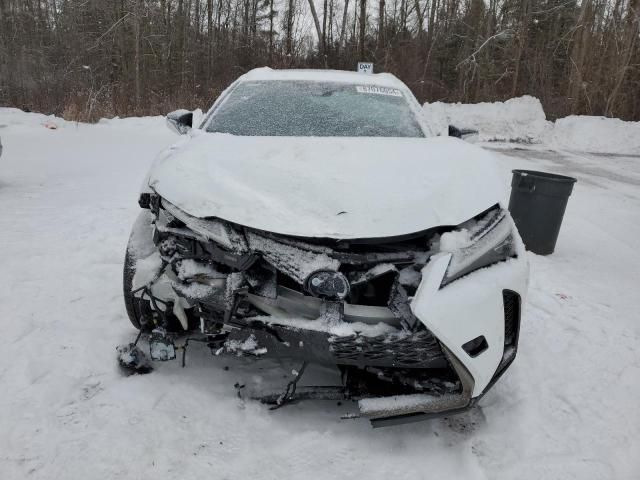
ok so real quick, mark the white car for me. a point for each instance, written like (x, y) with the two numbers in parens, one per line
(314, 215)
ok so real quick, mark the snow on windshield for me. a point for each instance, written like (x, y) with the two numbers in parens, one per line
(314, 109)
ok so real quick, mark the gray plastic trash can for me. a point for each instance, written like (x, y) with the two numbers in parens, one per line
(537, 204)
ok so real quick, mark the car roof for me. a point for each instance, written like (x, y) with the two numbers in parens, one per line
(310, 75)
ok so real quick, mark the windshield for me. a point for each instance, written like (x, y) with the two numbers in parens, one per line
(314, 109)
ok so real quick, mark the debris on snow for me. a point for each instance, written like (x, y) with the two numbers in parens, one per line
(132, 359)
(250, 345)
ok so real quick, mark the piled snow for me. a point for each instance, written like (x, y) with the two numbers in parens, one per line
(133, 122)
(523, 120)
(15, 117)
(519, 119)
(596, 134)
(567, 408)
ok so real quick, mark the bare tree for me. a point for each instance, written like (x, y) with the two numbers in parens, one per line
(381, 6)
(86, 59)
(363, 26)
(316, 22)
(344, 22)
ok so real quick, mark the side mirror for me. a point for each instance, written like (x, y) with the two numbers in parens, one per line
(464, 133)
(180, 121)
(455, 132)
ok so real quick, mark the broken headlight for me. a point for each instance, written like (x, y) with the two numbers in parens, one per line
(478, 243)
(327, 284)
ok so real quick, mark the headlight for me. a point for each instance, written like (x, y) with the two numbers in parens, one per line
(327, 284)
(478, 243)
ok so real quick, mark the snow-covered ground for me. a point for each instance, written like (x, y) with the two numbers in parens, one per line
(567, 409)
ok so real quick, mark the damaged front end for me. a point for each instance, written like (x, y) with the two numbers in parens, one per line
(344, 303)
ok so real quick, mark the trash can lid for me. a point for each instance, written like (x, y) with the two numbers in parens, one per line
(545, 175)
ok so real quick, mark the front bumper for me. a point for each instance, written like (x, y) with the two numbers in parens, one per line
(485, 303)
(421, 336)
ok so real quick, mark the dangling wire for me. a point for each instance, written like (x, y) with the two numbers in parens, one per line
(155, 279)
(186, 344)
(288, 394)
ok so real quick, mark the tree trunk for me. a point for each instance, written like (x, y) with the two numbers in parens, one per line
(420, 17)
(363, 24)
(631, 30)
(209, 38)
(381, 24)
(324, 28)
(522, 43)
(577, 57)
(138, 57)
(271, 15)
(344, 22)
(289, 39)
(316, 22)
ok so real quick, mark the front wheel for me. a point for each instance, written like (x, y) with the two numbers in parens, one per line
(139, 310)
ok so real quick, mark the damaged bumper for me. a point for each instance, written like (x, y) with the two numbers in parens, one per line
(394, 311)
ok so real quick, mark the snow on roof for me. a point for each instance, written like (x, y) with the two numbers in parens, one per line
(344, 76)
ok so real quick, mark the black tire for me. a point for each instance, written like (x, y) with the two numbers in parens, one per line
(136, 308)
(140, 312)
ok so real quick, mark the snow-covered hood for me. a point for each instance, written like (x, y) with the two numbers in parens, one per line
(328, 187)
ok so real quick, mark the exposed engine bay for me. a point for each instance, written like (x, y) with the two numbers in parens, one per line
(343, 303)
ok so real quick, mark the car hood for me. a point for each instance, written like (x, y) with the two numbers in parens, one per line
(328, 187)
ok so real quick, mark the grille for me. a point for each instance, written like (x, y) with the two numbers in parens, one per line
(416, 350)
(511, 301)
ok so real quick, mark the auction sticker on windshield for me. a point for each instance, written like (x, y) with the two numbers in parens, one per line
(393, 92)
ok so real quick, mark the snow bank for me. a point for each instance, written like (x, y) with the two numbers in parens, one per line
(519, 119)
(523, 120)
(157, 121)
(16, 117)
(597, 135)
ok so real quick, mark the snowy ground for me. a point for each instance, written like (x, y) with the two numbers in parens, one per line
(567, 409)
